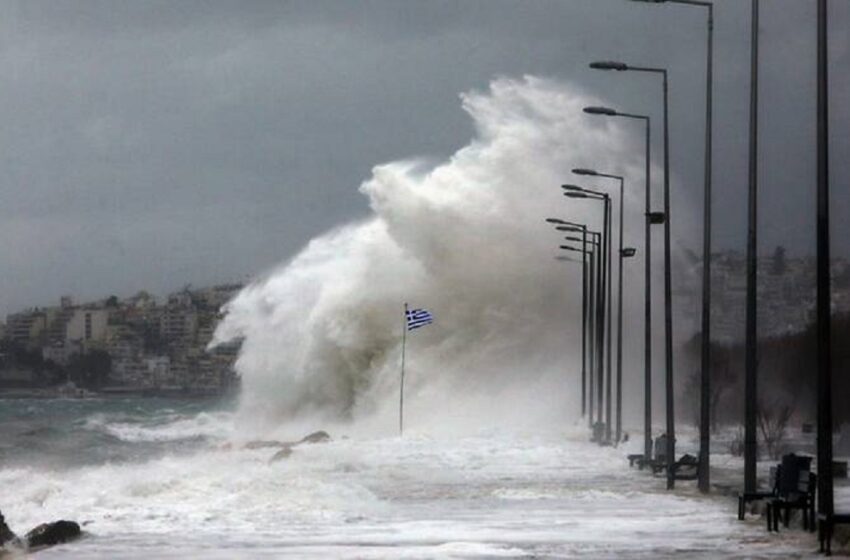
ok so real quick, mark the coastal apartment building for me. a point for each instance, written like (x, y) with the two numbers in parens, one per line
(150, 346)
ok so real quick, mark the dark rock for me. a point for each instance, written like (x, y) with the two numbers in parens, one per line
(316, 437)
(6, 534)
(286, 448)
(282, 454)
(49, 534)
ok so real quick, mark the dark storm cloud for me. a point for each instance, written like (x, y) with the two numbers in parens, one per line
(149, 144)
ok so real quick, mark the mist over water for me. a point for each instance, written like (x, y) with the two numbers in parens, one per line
(464, 238)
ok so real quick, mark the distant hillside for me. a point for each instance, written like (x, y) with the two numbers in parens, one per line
(786, 375)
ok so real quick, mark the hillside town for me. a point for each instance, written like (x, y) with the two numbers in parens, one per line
(114, 345)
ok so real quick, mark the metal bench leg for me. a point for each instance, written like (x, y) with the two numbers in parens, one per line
(829, 539)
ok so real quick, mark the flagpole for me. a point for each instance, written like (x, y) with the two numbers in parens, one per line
(401, 388)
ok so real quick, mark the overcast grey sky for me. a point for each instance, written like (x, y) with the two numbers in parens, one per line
(149, 144)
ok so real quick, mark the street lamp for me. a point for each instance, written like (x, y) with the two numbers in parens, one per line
(574, 191)
(668, 277)
(826, 507)
(583, 252)
(751, 339)
(583, 230)
(619, 397)
(596, 291)
(705, 367)
(574, 188)
(647, 308)
(610, 65)
(587, 314)
(589, 305)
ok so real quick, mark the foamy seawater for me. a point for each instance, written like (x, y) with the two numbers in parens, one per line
(169, 480)
(321, 345)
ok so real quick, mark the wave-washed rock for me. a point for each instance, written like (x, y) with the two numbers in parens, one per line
(286, 447)
(46, 534)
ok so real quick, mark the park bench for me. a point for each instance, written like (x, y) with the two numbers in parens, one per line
(796, 490)
(826, 525)
(746, 497)
(686, 468)
(635, 458)
(659, 460)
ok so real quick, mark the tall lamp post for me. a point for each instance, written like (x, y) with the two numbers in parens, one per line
(751, 340)
(619, 395)
(705, 361)
(647, 308)
(826, 506)
(594, 277)
(597, 318)
(626, 252)
(588, 307)
(584, 252)
(574, 191)
(583, 230)
(668, 283)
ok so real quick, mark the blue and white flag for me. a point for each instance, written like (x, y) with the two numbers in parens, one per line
(418, 318)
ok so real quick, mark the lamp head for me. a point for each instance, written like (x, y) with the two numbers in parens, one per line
(609, 65)
(628, 252)
(584, 171)
(600, 111)
(572, 188)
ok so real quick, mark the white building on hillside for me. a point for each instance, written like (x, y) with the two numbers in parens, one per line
(87, 325)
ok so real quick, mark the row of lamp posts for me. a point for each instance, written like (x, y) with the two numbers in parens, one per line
(599, 302)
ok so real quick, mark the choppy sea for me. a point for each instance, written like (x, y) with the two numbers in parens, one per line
(157, 478)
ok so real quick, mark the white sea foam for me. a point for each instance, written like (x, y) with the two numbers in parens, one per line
(418, 497)
(211, 425)
(465, 239)
(492, 463)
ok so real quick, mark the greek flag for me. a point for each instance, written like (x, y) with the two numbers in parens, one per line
(418, 318)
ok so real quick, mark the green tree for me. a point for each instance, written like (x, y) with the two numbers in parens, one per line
(90, 370)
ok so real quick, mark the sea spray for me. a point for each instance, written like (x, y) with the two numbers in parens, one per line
(465, 238)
